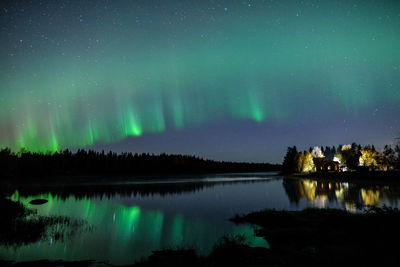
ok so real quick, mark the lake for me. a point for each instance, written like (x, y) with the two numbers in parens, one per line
(126, 220)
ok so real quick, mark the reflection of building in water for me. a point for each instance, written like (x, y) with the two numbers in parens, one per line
(321, 194)
(318, 193)
(370, 197)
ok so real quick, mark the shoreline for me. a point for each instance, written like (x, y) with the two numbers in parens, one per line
(112, 178)
(372, 177)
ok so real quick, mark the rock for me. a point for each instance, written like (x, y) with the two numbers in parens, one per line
(38, 201)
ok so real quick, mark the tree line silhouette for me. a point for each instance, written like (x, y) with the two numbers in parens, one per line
(89, 162)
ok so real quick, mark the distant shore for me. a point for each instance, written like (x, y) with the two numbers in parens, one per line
(65, 165)
(371, 176)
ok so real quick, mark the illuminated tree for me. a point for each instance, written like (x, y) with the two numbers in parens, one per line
(338, 158)
(305, 162)
(346, 147)
(317, 152)
(368, 157)
(308, 164)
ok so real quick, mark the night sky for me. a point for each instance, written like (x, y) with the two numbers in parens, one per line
(226, 80)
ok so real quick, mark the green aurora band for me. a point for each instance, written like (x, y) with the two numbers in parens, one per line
(148, 70)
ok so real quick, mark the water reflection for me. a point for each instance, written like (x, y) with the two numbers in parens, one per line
(370, 197)
(132, 219)
(349, 196)
(134, 189)
(126, 227)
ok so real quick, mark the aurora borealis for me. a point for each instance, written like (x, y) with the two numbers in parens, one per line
(230, 80)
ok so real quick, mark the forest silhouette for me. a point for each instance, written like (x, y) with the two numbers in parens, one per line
(89, 163)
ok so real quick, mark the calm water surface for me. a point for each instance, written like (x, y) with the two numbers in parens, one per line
(129, 220)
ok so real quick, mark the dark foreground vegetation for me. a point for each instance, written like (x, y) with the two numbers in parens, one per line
(90, 163)
(21, 226)
(322, 237)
